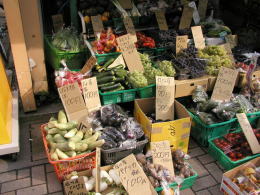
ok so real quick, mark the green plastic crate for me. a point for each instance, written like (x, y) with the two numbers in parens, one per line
(202, 132)
(118, 96)
(53, 56)
(223, 159)
(187, 183)
(146, 92)
(106, 56)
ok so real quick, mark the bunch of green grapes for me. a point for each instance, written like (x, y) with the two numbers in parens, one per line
(137, 80)
(150, 73)
(145, 59)
(167, 67)
(216, 57)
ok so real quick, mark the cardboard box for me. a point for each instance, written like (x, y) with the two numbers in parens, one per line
(77, 186)
(177, 131)
(227, 186)
(186, 87)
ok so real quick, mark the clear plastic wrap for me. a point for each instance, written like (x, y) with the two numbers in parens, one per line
(199, 94)
(245, 105)
(132, 129)
(227, 111)
(112, 115)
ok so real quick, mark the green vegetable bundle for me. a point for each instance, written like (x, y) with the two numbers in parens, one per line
(65, 140)
(67, 39)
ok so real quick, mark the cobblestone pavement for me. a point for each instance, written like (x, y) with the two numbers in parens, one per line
(32, 174)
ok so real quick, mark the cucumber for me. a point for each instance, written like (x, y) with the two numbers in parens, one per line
(105, 79)
(106, 84)
(104, 74)
(111, 87)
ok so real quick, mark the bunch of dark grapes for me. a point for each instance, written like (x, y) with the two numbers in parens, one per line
(164, 38)
(188, 63)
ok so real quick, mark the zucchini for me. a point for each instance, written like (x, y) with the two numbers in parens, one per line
(120, 66)
(110, 87)
(106, 84)
(119, 80)
(104, 74)
(116, 89)
(109, 62)
(105, 79)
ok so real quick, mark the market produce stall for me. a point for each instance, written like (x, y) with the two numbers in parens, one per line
(137, 80)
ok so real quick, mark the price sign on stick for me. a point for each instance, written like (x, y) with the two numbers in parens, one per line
(162, 155)
(126, 4)
(130, 28)
(198, 37)
(73, 103)
(181, 43)
(196, 17)
(225, 84)
(130, 53)
(249, 133)
(133, 177)
(186, 17)
(90, 93)
(202, 8)
(97, 24)
(165, 92)
(161, 20)
(75, 186)
(89, 64)
(57, 21)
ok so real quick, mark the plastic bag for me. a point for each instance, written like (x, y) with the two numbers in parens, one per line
(199, 94)
(245, 105)
(226, 111)
(207, 106)
(207, 118)
(112, 115)
(132, 129)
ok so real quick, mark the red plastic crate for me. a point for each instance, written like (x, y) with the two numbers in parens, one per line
(66, 166)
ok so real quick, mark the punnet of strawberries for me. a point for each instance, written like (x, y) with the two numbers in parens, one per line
(235, 145)
(144, 41)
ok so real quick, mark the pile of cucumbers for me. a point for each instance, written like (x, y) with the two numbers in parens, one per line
(111, 79)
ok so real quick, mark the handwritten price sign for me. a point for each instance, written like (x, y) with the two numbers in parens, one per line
(90, 92)
(133, 177)
(130, 53)
(165, 91)
(162, 155)
(181, 43)
(225, 84)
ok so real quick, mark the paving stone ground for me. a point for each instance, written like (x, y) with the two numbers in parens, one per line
(32, 174)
